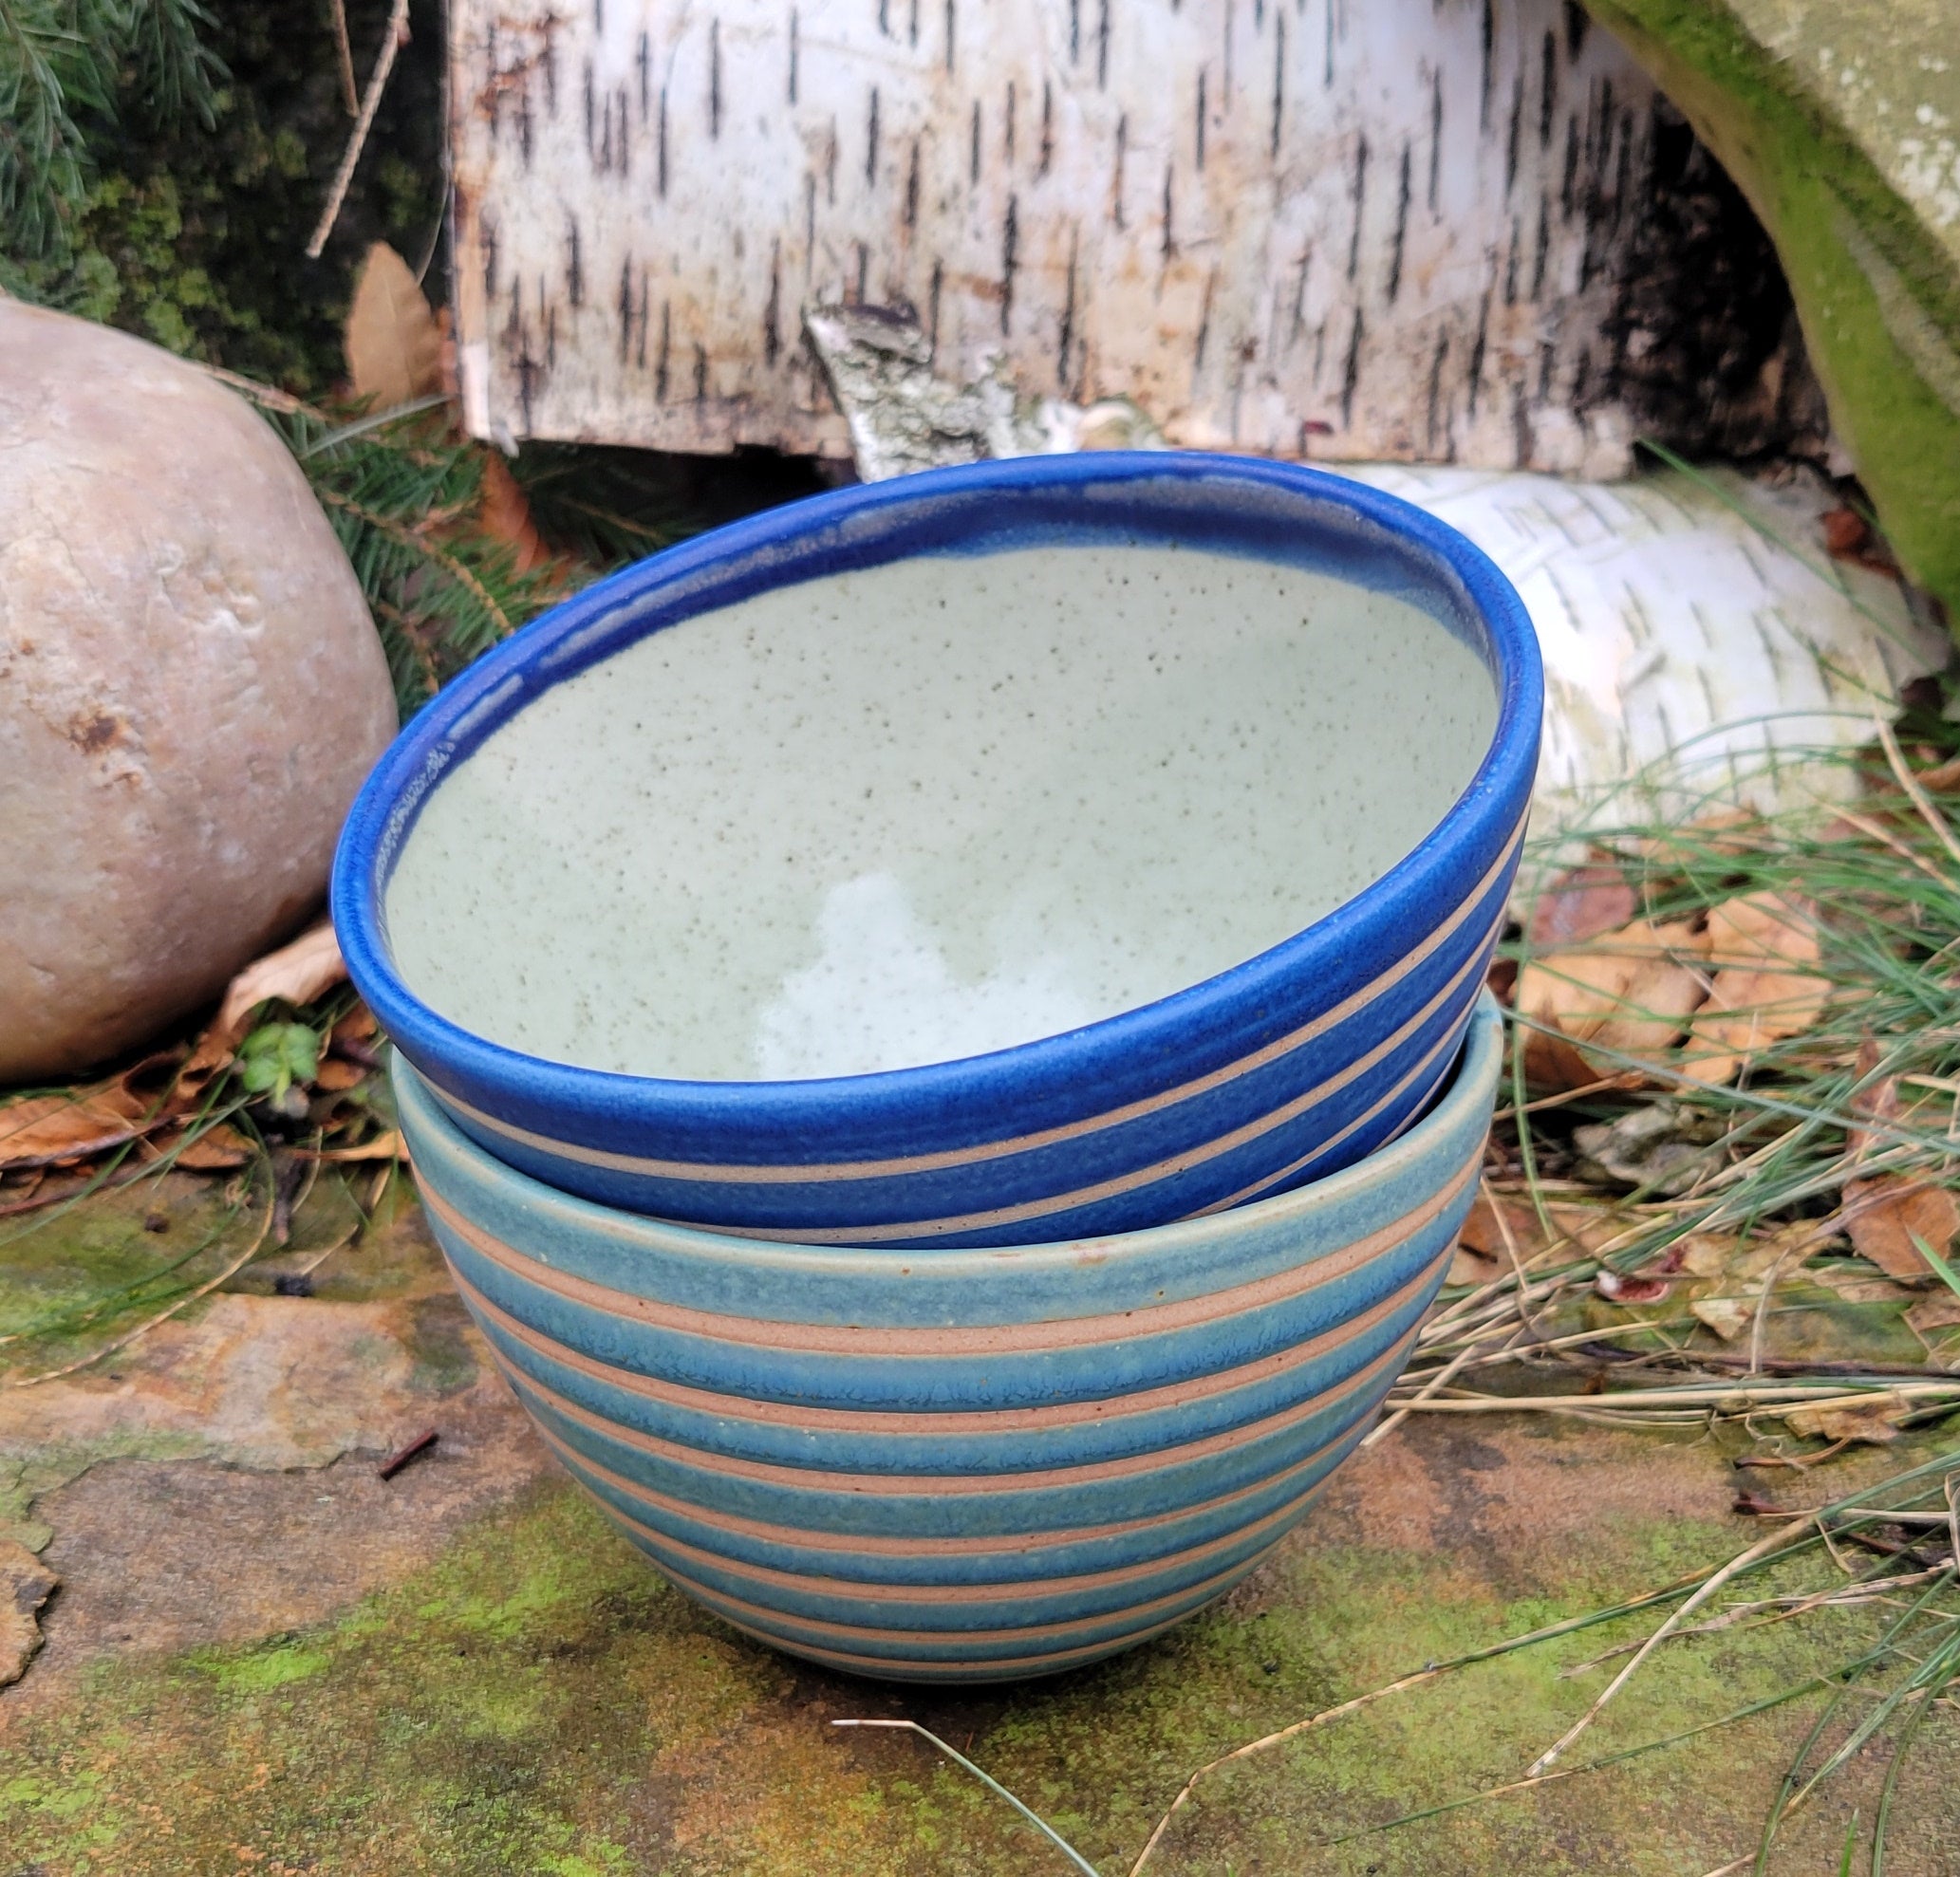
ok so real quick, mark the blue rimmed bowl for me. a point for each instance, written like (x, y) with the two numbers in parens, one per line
(973, 1465)
(991, 856)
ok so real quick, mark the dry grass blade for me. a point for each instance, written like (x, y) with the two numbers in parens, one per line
(1914, 792)
(1032, 1817)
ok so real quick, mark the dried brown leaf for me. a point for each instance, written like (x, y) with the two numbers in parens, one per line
(382, 1147)
(504, 515)
(1467, 1267)
(297, 973)
(1631, 991)
(333, 1075)
(393, 345)
(1763, 992)
(45, 1130)
(1728, 1317)
(215, 1151)
(1883, 1216)
(1939, 1311)
(1874, 1422)
(1581, 904)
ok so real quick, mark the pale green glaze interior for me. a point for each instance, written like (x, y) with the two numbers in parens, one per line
(928, 809)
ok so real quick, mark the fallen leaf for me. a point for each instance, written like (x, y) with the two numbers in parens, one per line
(1631, 991)
(358, 1026)
(44, 1129)
(215, 1150)
(1659, 1146)
(26, 1584)
(1939, 1311)
(393, 343)
(1639, 1287)
(333, 1075)
(504, 515)
(1942, 780)
(382, 1147)
(1727, 1316)
(1762, 992)
(1466, 1267)
(1581, 904)
(1874, 1423)
(1883, 1216)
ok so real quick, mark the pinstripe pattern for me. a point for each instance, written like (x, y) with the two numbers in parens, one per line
(964, 1465)
(1310, 1057)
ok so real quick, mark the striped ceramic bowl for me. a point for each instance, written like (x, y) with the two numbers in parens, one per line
(992, 856)
(973, 1465)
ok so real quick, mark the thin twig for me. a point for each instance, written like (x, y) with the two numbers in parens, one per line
(349, 96)
(391, 44)
(1916, 795)
(1781, 1537)
(1033, 1818)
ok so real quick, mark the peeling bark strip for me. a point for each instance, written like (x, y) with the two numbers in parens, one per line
(1492, 190)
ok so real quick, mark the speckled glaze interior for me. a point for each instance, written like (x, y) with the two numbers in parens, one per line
(916, 811)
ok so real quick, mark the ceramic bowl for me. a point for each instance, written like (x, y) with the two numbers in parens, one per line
(991, 856)
(978, 1465)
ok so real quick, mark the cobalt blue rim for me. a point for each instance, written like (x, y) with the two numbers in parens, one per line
(1361, 533)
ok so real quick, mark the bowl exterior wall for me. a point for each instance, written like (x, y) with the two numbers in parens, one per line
(972, 1465)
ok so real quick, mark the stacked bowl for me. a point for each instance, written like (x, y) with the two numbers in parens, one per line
(940, 1028)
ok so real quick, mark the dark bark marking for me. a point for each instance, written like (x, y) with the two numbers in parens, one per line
(1350, 372)
(1622, 175)
(795, 46)
(912, 24)
(666, 352)
(830, 166)
(885, 18)
(912, 189)
(938, 274)
(1435, 138)
(1203, 324)
(1279, 80)
(1299, 298)
(1067, 327)
(625, 309)
(1570, 182)
(1009, 240)
(1511, 267)
(598, 16)
(1008, 139)
(1548, 89)
(1576, 25)
(1327, 57)
(772, 314)
(1075, 30)
(871, 143)
(1319, 350)
(1489, 52)
(973, 162)
(640, 327)
(1541, 250)
(952, 23)
(1360, 201)
(1478, 347)
(1511, 137)
(1047, 127)
(714, 77)
(1401, 229)
(1436, 365)
(659, 147)
(1547, 358)
(864, 273)
(1169, 247)
(574, 272)
(700, 373)
(1522, 442)
(1102, 47)
(489, 262)
(809, 223)
(550, 62)
(591, 109)
(494, 99)
(1199, 140)
(1116, 179)
(524, 117)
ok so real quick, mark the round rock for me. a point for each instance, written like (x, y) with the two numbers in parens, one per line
(191, 690)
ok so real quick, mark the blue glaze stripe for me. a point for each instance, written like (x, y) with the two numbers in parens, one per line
(1099, 1410)
(989, 1339)
(739, 1173)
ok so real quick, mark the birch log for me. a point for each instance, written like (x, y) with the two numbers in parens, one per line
(1453, 230)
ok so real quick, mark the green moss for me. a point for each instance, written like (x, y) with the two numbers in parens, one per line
(1878, 298)
(540, 1700)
